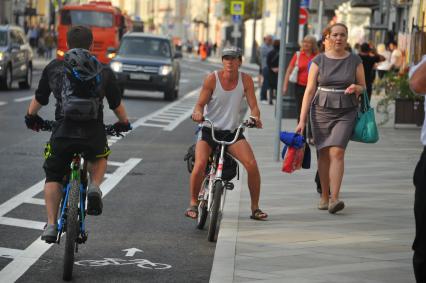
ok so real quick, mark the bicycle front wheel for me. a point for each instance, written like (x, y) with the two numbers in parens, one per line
(215, 212)
(71, 229)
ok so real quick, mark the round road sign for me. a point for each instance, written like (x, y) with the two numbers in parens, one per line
(303, 16)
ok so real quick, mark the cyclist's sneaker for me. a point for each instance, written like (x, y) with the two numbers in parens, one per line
(94, 200)
(50, 233)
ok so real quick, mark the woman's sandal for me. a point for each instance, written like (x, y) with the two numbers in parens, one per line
(258, 214)
(194, 209)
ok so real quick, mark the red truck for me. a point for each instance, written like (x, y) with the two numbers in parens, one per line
(108, 24)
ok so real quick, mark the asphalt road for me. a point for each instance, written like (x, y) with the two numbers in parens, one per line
(142, 236)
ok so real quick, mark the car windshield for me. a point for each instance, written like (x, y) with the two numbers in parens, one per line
(151, 47)
(3, 38)
(87, 18)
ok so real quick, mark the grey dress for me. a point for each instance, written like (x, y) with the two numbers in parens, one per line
(333, 113)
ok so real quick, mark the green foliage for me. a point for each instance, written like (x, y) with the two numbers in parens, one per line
(249, 10)
(395, 86)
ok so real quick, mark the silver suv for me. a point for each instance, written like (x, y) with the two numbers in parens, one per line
(16, 58)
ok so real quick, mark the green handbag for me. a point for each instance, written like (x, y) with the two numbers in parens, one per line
(365, 129)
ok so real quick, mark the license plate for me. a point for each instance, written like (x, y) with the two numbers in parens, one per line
(136, 76)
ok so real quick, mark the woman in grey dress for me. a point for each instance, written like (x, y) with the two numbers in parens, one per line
(336, 79)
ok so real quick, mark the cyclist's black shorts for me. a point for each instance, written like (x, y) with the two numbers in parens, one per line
(206, 135)
(59, 153)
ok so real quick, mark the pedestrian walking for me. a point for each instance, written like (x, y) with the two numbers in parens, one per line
(340, 78)
(369, 60)
(265, 48)
(272, 61)
(396, 57)
(418, 85)
(301, 60)
(384, 66)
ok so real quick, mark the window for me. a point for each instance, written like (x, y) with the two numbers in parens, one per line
(3, 38)
(87, 18)
(14, 38)
(145, 47)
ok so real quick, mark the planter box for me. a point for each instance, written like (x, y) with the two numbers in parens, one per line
(409, 112)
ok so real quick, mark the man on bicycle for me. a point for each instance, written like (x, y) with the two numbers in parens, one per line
(220, 100)
(70, 136)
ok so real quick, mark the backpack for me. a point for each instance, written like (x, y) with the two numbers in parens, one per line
(230, 165)
(80, 93)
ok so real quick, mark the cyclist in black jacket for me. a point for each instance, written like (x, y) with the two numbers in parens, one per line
(69, 136)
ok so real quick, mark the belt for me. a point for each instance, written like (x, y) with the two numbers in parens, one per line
(331, 89)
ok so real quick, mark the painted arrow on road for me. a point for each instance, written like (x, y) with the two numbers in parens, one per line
(132, 251)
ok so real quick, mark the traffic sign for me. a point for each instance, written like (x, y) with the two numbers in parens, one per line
(236, 19)
(237, 8)
(304, 3)
(303, 16)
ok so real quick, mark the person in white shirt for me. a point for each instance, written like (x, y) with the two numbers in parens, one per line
(418, 85)
(384, 66)
(396, 57)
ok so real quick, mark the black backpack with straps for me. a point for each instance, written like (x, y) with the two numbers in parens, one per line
(80, 93)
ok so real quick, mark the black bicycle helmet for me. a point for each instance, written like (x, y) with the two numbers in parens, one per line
(83, 65)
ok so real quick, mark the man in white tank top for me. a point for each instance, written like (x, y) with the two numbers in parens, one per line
(220, 100)
(418, 85)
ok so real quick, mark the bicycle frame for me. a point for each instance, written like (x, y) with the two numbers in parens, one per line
(217, 172)
(75, 174)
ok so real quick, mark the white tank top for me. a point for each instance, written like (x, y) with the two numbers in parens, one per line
(224, 106)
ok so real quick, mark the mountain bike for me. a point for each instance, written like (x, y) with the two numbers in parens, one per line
(213, 190)
(72, 211)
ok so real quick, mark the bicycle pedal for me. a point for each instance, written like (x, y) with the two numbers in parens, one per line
(229, 186)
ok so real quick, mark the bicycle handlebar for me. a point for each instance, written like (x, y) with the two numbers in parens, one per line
(245, 124)
(109, 129)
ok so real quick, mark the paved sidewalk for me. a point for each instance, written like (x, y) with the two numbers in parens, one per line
(369, 241)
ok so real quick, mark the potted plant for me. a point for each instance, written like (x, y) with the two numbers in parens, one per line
(408, 106)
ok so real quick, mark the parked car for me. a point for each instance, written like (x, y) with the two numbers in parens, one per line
(16, 58)
(147, 62)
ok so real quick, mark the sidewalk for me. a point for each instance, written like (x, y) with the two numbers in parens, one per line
(369, 241)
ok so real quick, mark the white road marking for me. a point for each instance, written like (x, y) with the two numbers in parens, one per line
(132, 251)
(38, 201)
(178, 111)
(26, 98)
(10, 253)
(3, 103)
(24, 223)
(24, 259)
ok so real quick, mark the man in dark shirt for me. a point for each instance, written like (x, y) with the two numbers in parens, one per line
(70, 136)
(369, 59)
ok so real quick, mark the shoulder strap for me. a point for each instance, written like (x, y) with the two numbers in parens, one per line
(297, 59)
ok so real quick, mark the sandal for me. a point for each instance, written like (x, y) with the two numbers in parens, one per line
(194, 209)
(258, 214)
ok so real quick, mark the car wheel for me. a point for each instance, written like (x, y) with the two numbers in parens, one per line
(7, 81)
(28, 79)
(169, 95)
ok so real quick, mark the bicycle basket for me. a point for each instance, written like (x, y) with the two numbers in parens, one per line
(230, 168)
(190, 158)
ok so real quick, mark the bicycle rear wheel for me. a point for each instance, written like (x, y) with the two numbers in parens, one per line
(215, 212)
(72, 229)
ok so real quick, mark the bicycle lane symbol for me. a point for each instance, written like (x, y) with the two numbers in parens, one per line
(139, 262)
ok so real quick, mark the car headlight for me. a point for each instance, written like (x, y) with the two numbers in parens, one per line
(1, 56)
(117, 66)
(60, 53)
(165, 70)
